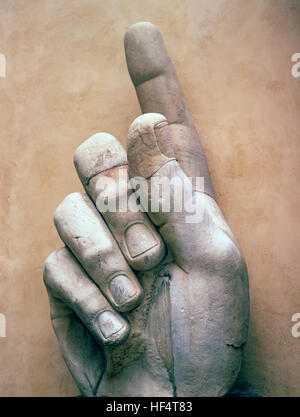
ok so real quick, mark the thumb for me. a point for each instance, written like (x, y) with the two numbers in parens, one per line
(166, 193)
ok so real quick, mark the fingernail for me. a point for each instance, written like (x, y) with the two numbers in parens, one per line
(139, 239)
(122, 289)
(109, 324)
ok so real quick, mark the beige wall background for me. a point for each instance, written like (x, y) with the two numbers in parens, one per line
(66, 79)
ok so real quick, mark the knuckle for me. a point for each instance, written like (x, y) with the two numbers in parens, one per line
(96, 255)
(49, 269)
(65, 206)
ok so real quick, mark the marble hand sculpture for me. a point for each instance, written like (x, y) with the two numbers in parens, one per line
(148, 302)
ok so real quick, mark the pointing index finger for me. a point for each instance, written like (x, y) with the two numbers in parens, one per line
(149, 63)
(159, 91)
